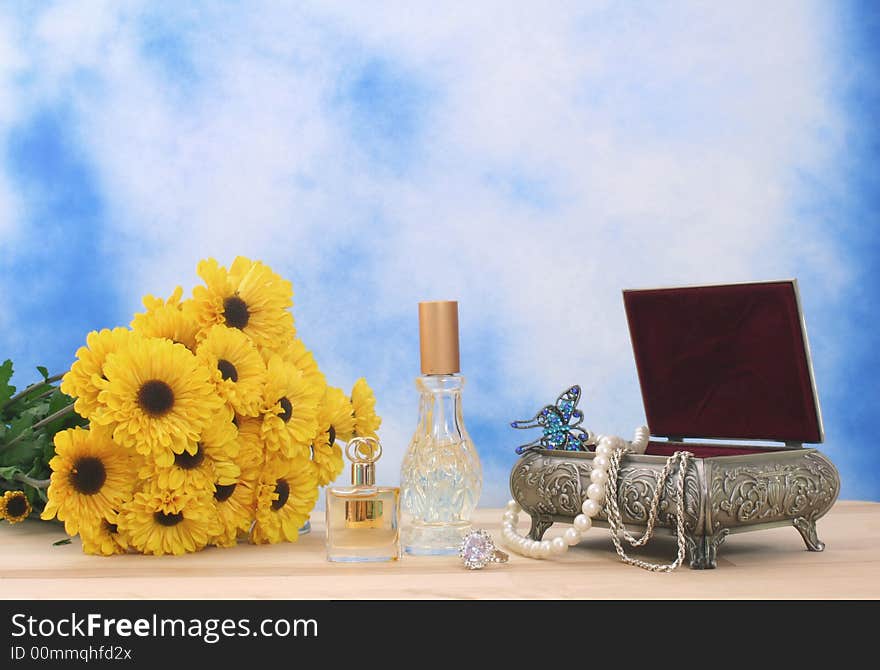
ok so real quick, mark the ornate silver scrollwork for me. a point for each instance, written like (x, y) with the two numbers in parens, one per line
(776, 488)
(636, 489)
(795, 486)
(548, 486)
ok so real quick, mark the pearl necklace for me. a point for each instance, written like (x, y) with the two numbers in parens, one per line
(607, 445)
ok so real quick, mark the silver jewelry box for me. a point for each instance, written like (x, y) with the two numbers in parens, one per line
(724, 370)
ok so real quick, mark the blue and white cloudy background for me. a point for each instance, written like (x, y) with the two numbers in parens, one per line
(528, 159)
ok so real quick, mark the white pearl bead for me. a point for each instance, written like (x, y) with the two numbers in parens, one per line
(583, 523)
(601, 462)
(598, 476)
(596, 492)
(513, 507)
(558, 545)
(640, 443)
(544, 549)
(590, 507)
(604, 450)
(571, 536)
(509, 516)
(606, 440)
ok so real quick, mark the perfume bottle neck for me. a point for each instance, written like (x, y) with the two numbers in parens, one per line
(440, 406)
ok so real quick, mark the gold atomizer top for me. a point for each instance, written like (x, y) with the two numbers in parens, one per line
(363, 452)
(438, 337)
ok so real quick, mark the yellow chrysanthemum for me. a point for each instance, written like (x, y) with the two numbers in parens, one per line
(158, 398)
(250, 440)
(335, 422)
(14, 506)
(290, 410)
(167, 319)
(293, 350)
(363, 403)
(286, 495)
(249, 296)
(85, 379)
(237, 368)
(168, 522)
(235, 504)
(91, 477)
(105, 539)
(202, 464)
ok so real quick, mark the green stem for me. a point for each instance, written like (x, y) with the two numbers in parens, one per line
(32, 387)
(67, 409)
(43, 422)
(46, 394)
(36, 483)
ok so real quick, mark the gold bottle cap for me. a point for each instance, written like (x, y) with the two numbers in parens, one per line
(363, 452)
(438, 337)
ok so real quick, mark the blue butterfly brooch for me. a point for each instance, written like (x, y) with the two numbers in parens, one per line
(560, 423)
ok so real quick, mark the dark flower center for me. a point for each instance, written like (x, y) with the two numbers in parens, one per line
(156, 398)
(88, 475)
(188, 461)
(223, 492)
(286, 409)
(235, 311)
(227, 370)
(169, 520)
(332, 433)
(282, 488)
(16, 506)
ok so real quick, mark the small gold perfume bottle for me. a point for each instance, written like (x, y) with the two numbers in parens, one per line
(362, 519)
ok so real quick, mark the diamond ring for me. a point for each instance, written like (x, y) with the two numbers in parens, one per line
(478, 550)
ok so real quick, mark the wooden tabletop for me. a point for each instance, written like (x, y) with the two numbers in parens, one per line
(764, 564)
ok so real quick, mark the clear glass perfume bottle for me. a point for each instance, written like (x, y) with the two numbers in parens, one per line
(362, 519)
(440, 477)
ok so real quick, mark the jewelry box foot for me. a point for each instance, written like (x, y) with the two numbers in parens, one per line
(540, 525)
(807, 529)
(703, 549)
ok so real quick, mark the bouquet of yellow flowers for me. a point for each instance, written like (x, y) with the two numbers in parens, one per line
(208, 421)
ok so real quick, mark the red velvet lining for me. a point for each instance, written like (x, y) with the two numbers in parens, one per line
(723, 362)
(701, 450)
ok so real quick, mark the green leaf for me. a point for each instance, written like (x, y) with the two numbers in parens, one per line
(43, 371)
(7, 390)
(23, 449)
(9, 472)
(47, 448)
(37, 410)
(58, 400)
(66, 540)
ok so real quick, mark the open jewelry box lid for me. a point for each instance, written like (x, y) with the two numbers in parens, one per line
(725, 362)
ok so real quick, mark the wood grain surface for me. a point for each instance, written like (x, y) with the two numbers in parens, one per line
(766, 564)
